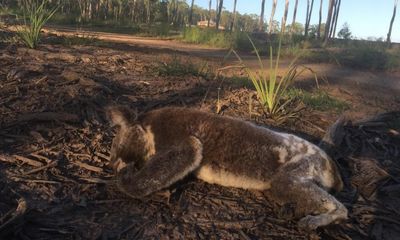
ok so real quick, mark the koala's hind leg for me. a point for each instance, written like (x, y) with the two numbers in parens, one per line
(312, 201)
(161, 170)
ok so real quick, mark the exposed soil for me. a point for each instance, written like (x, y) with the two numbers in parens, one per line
(55, 181)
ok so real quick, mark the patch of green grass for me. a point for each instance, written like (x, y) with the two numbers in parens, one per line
(175, 66)
(318, 100)
(212, 37)
(241, 82)
(84, 39)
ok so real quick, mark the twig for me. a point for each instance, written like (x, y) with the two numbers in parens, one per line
(105, 157)
(314, 125)
(41, 157)
(96, 180)
(19, 212)
(28, 161)
(18, 179)
(40, 80)
(88, 167)
(6, 158)
(51, 164)
(109, 201)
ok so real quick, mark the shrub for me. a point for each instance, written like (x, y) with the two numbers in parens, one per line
(370, 58)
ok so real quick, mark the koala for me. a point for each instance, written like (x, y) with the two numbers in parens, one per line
(156, 149)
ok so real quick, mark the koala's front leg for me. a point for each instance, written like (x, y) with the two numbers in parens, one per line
(161, 170)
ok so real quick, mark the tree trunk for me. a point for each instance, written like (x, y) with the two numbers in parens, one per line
(220, 5)
(132, 5)
(328, 21)
(388, 40)
(308, 16)
(191, 14)
(294, 16)
(148, 12)
(216, 9)
(305, 24)
(337, 8)
(233, 23)
(209, 13)
(271, 20)
(320, 19)
(261, 21)
(283, 28)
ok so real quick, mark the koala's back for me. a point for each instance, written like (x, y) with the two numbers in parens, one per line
(237, 153)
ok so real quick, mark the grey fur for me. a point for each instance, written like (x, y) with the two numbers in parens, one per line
(163, 146)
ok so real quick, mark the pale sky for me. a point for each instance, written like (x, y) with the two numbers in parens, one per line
(366, 18)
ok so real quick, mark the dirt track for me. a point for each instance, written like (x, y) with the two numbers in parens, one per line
(341, 74)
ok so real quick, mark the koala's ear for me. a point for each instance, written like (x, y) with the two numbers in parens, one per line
(120, 116)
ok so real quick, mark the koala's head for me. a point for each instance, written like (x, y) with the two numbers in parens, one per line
(129, 143)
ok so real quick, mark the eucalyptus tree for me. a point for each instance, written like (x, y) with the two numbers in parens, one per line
(335, 15)
(261, 21)
(388, 40)
(294, 16)
(271, 19)
(219, 10)
(191, 13)
(233, 23)
(285, 16)
(320, 20)
(308, 16)
(328, 21)
(209, 13)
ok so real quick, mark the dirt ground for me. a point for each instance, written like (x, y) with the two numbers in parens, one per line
(55, 181)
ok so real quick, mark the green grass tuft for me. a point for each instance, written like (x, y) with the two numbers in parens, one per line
(35, 16)
(272, 89)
